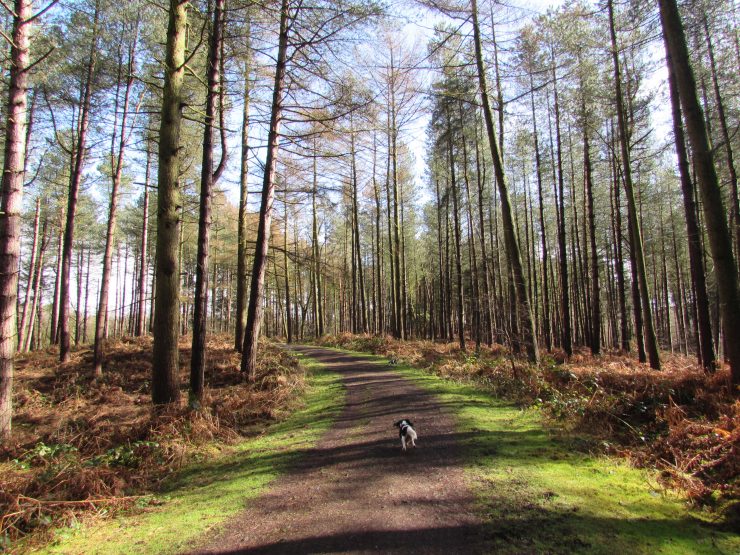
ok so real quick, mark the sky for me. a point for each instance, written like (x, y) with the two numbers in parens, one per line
(417, 25)
(509, 20)
(420, 27)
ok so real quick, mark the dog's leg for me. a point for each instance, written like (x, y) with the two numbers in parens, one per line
(403, 442)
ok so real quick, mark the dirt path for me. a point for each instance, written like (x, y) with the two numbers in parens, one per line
(356, 492)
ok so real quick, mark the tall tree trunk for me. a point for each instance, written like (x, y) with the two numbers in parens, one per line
(288, 323)
(441, 265)
(116, 160)
(566, 338)
(720, 243)
(546, 327)
(31, 273)
(473, 258)
(78, 163)
(87, 296)
(143, 267)
(619, 243)
(11, 203)
(122, 308)
(458, 257)
(318, 292)
(165, 354)
(391, 248)
(36, 287)
(693, 233)
(378, 300)
(726, 138)
(356, 238)
(487, 286)
(407, 315)
(256, 293)
(448, 265)
(54, 323)
(595, 289)
(512, 246)
(395, 253)
(78, 312)
(208, 177)
(39, 304)
(651, 342)
(241, 256)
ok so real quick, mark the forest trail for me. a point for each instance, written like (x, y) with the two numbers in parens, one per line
(356, 491)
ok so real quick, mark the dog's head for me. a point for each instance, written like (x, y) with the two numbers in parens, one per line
(401, 422)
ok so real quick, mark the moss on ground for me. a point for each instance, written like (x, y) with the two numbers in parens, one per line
(200, 498)
(539, 493)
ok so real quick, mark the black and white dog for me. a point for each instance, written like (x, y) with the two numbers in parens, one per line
(407, 433)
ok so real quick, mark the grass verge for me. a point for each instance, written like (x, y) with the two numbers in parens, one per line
(681, 421)
(539, 492)
(201, 497)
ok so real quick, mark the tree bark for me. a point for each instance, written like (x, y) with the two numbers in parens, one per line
(726, 138)
(165, 354)
(705, 350)
(441, 265)
(473, 258)
(399, 309)
(256, 293)
(595, 289)
(378, 298)
(546, 326)
(87, 295)
(79, 309)
(143, 267)
(512, 246)
(36, 287)
(11, 202)
(458, 257)
(316, 252)
(78, 163)
(566, 337)
(619, 254)
(289, 328)
(356, 239)
(391, 248)
(31, 273)
(54, 324)
(116, 161)
(651, 342)
(720, 242)
(241, 255)
(487, 286)
(207, 181)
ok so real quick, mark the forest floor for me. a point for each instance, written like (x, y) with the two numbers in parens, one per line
(489, 475)
(681, 421)
(84, 449)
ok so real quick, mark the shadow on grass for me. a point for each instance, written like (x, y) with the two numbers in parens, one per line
(543, 531)
(536, 492)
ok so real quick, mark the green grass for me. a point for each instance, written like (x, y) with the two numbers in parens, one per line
(538, 493)
(203, 496)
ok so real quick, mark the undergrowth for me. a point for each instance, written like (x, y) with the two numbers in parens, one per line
(83, 447)
(680, 420)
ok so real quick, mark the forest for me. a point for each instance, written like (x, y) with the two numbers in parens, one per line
(536, 199)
